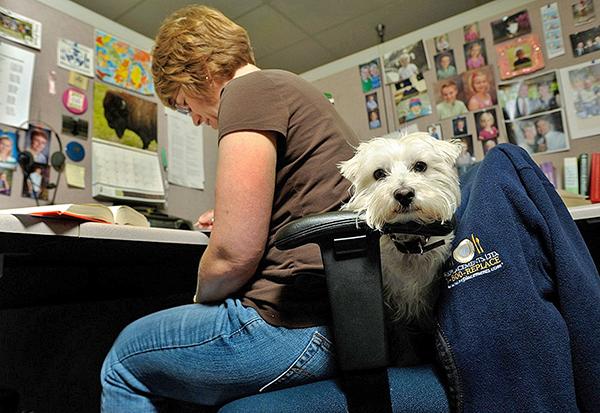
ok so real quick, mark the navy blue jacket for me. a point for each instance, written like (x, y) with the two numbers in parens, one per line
(519, 312)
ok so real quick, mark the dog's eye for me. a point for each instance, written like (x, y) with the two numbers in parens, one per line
(420, 166)
(379, 174)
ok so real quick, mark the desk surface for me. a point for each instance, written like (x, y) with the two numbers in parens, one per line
(25, 224)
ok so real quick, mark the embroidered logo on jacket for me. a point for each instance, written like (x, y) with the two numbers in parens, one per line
(473, 261)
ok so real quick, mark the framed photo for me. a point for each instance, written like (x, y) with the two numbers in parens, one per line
(435, 130)
(510, 27)
(450, 97)
(585, 42)
(480, 88)
(459, 126)
(520, 56)
(445, 66)
(370, 75)
(471, 32)
(529, 96)
(581, 90)
(413, 108)
(20, 29)
(404, 63)
(441, 42)
(475, 54)
(583, 11)
(543, 133)
(486, 125)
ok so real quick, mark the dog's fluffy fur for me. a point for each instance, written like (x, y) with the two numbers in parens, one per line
(408, 279)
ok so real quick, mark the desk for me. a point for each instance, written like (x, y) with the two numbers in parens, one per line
(68, 288)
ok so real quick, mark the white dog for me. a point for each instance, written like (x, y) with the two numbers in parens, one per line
(412, 178)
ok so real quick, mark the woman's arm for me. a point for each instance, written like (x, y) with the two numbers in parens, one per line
(245, 186)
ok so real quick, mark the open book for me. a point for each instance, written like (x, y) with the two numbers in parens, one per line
(119, 214)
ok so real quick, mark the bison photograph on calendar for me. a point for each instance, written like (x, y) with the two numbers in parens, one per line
(124, 118)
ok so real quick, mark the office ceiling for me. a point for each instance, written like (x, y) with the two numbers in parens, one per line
(297, 35)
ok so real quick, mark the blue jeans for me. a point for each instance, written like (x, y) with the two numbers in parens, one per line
(209, 355)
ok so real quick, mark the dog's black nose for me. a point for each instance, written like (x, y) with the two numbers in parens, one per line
(404, 196)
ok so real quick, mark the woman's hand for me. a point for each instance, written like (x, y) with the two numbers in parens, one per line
(206, 220)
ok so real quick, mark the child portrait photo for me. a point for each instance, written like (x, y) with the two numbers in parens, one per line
(36, 183)
(445, 65)
(37, 142)
(480, 88)
(413, 108)
(450, 97)
(471, 32)
(486, 125)
(8, 149)
(441, 42)
(475, 54)
(459, 126)
(435, 130)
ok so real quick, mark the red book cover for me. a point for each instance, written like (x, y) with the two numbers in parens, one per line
(595, 178)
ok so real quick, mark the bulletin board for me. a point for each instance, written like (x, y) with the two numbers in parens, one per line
(46, 105)
(350, 98)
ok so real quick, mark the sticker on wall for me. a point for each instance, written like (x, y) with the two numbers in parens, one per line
(75, 151)
(122, 65)
(78, 80)
(20, 29)
(75, 101)
(75, 57)
(75, 127)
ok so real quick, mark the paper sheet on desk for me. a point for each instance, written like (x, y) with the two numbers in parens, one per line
(185, 151)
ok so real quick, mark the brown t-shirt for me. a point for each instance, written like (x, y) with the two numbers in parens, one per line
(288, 289)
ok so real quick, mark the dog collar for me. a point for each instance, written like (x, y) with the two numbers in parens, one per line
(417, 246)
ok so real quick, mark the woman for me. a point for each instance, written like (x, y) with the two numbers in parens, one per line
(257, 309)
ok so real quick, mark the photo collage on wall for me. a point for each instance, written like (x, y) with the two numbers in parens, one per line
(370, 78)
(404, 69)
(99, 59)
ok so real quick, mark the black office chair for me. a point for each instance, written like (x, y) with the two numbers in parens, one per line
(351, 256)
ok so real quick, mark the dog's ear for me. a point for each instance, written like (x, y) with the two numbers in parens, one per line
(451, 150)
(349, 169)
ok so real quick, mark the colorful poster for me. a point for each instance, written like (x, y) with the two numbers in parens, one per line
(75, 57)
(122, 65)
(124, 118)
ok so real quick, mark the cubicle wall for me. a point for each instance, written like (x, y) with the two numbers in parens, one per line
(183, 202)
(342, 78)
